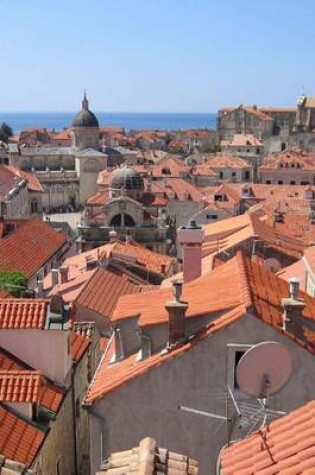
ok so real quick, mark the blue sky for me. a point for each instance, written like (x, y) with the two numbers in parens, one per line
(155, 55)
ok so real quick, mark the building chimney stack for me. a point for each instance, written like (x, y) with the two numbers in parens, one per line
(191, 238)
(54, 277)
(112, 235)
(64, 274)
(292, 320)
(176, 315)
(118, 347)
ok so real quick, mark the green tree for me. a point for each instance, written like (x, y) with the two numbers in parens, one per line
(5, 132)
(13, 281)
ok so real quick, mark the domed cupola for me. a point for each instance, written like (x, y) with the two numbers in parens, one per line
(85, 118)
(126, 181)
(85, 128)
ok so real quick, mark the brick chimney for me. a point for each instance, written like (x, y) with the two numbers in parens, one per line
(191, 238)
(176, 315)
(292, 319)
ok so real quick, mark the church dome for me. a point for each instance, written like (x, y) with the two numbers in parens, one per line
(126, 178)
(85, 118)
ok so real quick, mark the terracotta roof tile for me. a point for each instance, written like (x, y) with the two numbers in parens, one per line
(220, 162)
(21, 386)
(247, 287)
(106, 285)
(19, 440)
(148, 459)
(130, 252)
(51, 395)
(224, 291)
(30, 247)
(79, 345)
(285, 447)
(23, 313)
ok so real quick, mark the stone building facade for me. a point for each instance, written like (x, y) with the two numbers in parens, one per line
(67, 174)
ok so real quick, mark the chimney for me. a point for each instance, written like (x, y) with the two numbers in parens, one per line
(292, 309)
(191, 238)
(145, 348)
(112, 235)
(118, 347)
(40, 289)
(54, 277)
(176, 315)
(128, 238)
(64, 274)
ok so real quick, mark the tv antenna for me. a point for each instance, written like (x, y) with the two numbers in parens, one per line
(262, 371)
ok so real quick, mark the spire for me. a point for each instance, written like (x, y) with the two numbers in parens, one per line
(85, 102)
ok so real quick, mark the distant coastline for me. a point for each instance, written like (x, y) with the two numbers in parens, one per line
(129, 120)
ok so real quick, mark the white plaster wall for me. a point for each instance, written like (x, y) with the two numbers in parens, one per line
(45, 350)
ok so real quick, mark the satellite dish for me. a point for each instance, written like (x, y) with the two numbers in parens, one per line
(264, 369)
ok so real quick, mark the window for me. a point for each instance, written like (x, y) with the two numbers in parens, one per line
(292, 182)
(212, 216)
(34, 206)
(233, 174)
(221, 175)
(247, 175)
(268, 182)
(235, 353)
(280, 182)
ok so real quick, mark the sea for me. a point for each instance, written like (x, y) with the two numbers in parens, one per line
(130, 120)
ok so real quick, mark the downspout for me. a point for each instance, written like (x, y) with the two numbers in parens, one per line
(74, 424)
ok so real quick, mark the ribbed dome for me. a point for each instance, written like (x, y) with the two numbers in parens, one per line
(85, 118)
(126, 178)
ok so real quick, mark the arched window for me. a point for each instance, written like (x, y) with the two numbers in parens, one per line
(122, 220)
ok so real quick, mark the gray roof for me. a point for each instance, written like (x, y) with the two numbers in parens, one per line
(47, 151)
(126, 178)
(90, 152)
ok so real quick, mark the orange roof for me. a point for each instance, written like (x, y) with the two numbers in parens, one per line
(247, 286)
(228, 233)
(131, 253)
(285, 160)
(20, 386)
(106, 285)
(221, 162)
(224, 291)
(23, 313)
(79, 345)
(286, 446)
(110, 377)
(19, 439)
(32, 180)
(51, 395)
(30, 247)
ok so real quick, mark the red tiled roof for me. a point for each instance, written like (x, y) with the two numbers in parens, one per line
(19, 440)
(51, 395)
(32, 180)
(78, 344)
(30, 247)
(131, 252)
(224, 291)
(20, 386)
(23, 313)
(220, 162)
(286, 446)
(106, 285)
(285, 160)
